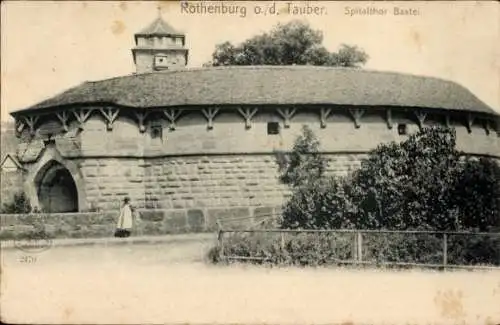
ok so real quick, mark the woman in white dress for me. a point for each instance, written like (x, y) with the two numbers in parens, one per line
(125, 220)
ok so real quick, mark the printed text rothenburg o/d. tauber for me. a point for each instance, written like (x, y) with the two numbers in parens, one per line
(242, 9)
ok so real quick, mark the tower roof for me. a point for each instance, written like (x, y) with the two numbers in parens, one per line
(159, 27)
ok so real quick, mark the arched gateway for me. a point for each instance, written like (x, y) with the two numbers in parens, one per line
(54, 184)
(56, 189)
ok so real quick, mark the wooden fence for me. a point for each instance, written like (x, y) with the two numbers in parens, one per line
(280, 236)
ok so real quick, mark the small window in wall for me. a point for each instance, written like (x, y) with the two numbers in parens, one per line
(273, 128)
(402, 129)
(156, 131)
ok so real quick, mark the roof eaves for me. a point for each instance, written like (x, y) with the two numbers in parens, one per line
(176, 34)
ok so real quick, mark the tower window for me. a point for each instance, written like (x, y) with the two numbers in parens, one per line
(273, 128)
(402, 129)
(156, 131)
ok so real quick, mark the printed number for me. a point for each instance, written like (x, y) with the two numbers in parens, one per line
(27, 259)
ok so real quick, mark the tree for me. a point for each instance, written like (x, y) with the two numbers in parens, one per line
(317, 201)
(409, 185)
(287, 44)
(304, 164)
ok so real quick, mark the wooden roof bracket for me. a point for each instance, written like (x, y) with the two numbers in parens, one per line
(63, 118)
(470, 121)
(82, 116)
(172, 115)
(110, 114)
(420, 115)
(247, 114)
(356, 114)
(324, 112)
(141, 117)
(447, 121)
(210, 114)
(486, 124)
(287, 114)
(388, 117)
(19, 127)
(31, 122)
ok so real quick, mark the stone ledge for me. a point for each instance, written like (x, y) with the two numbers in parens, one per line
(151, 223)
(111, 241)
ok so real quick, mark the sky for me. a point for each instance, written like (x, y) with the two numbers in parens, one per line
(48, 47)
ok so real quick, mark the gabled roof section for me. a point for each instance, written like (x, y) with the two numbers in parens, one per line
(11, 157)
(159, 27)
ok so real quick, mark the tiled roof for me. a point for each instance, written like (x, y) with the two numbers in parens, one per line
(260, 85)
(158, 27)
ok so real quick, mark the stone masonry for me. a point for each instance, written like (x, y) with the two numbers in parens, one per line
(204, 188)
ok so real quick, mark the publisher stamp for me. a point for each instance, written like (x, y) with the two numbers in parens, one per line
(34, 244)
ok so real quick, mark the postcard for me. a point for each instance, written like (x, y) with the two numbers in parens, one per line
(250, 162)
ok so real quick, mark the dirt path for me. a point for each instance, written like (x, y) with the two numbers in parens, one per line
(167, 283)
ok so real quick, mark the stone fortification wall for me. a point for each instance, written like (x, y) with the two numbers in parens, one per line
(213, 158)
(173, 195)
(226, 131)
(230, 134)
(200, 182)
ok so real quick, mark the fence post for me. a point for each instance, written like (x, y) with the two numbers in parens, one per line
(354, 249)
(221, 244)
(359, 246)
(282, 241)
(445, 250)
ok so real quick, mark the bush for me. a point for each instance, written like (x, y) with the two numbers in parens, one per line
(319, 204)
(402, 248)
(474, 250)
(409, 185)
(320, 249)
(477, 194)
(418, 184)
(20, 204)
(293, 249)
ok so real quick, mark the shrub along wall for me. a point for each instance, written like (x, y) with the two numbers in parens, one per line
(152, 222)
(422, 183)
(314, 249)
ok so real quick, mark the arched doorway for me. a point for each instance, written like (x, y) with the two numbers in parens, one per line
(56, 189)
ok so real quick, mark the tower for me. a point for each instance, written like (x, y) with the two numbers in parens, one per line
(159, 47)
